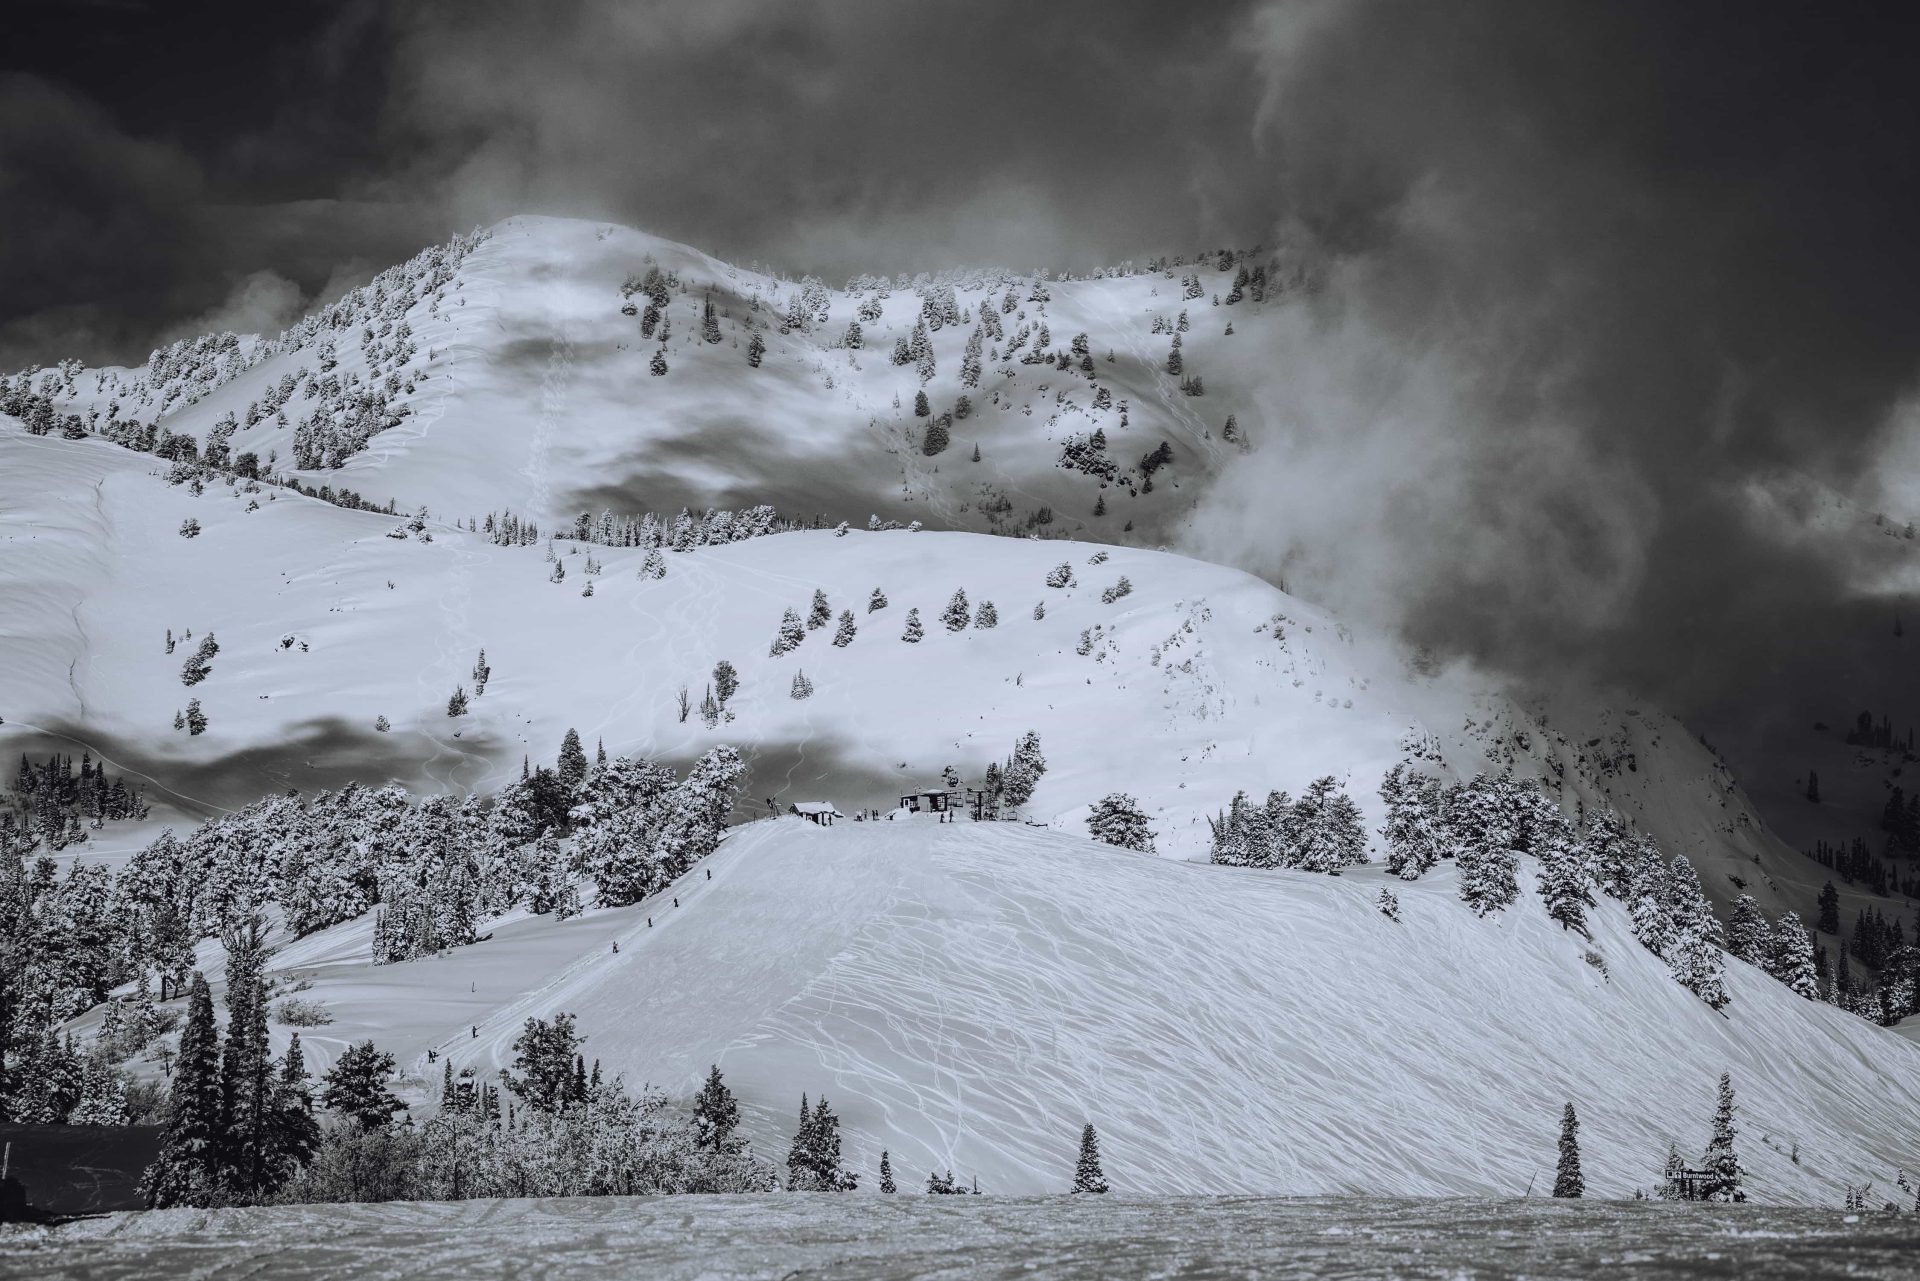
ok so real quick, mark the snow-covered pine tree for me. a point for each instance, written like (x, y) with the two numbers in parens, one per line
(877, 601)
(802, 687)
(1060, 575)
(1481, 833)
(790, 635)
(1789, 956)
(654, 565)
(986, 615)
(821, 613)
(1415, 814)
(1388, 902)
(292, 1133)
(957, 614)
(246, 1066)
(756, 348)
(1567, 1181)
(1024, 770)
(716, 1115)
(1117, 819)
(1565, 882)
(658, 365)
(103, 1097)
(844, 633)
(1087, 1174)
(1722, 1165)
(914, 631)
(571, 767)
(1694, 955)
(1749, 936)
(726, 681)
(196, 718)
(188, 1169)
(887, 1185)
(1326, 831)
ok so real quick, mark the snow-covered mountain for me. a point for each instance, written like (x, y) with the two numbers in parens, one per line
(951, 986)
(516, 373)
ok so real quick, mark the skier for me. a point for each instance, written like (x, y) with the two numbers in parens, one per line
(616, 947)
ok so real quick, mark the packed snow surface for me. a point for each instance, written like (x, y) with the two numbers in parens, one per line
(852, 1238)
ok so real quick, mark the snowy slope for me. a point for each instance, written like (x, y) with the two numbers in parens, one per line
(967, 994)
(1202, 681)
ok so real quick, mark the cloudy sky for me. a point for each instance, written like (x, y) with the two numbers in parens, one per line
(1599, 274)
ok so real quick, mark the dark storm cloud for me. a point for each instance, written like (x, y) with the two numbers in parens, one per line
(846, 136)
(1592, 277)
(170, 163)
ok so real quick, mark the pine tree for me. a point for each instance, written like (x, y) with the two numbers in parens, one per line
(822, 613)
(958, 614)
(801, 688)
(356, 1086)
(716, 1115)
(1722, 1165)
(654, 566)
(1749, 937)
(843, 635)
(921, 408)
(1565, 881)
(658, 365)
(1415, 813)
(1567, 1181)
(1829, 922)
(246, 1066)
(756, 348)
(887, 1185)
(790, 635)
(1087, 1175)
(457, 701)
(1117, 819)
(1789, 956)
(914, 631)
(196, 719)
(986, 615)
(188, 1169)
(292, 1133)
(726, 681)
(936, 439)
(877, 601)
(572, 765)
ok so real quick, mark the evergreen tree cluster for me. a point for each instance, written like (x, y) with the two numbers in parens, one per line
(1855, 864)
(239, 1124)
(51, 801)
(431, 869)
(1488, 823)
(1321, 832)
(1009, 785)
(813, 1161)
